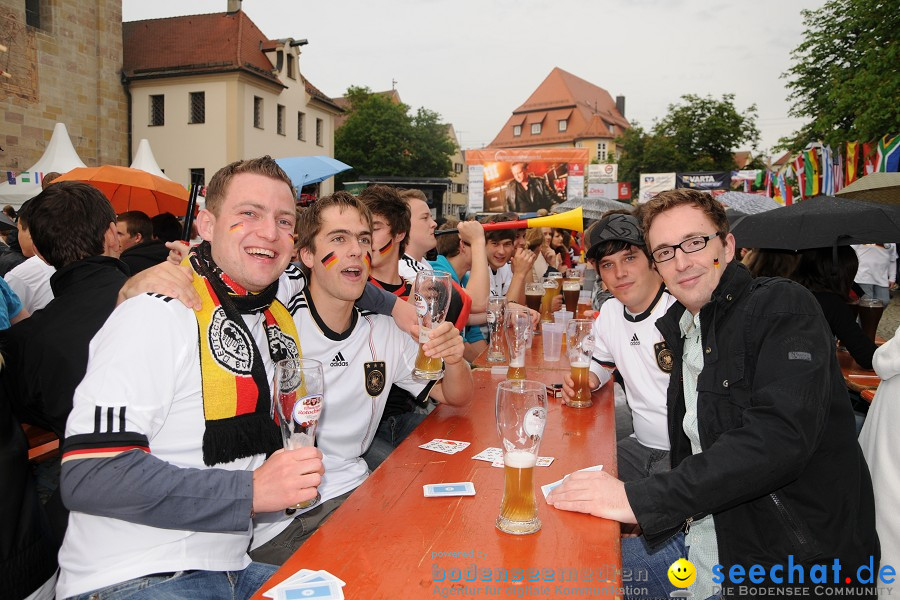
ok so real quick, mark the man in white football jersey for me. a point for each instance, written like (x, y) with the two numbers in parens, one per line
(363, 355)
(626, 340)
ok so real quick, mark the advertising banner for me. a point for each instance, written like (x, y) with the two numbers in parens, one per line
(525, 180)
(704, 180)
(605, 173)
(653, 183)
(476, 189)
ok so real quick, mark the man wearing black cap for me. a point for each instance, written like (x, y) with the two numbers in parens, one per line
(626, 339)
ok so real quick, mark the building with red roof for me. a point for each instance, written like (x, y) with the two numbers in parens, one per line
(566, 111)
(210, 89)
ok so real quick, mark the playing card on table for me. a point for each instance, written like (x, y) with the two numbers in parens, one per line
(490, 454)
(435, 490)
(546, 489)
(307, 583)
(323, 590)
(445, 446)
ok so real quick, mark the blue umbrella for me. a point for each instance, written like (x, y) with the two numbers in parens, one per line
(304, 170)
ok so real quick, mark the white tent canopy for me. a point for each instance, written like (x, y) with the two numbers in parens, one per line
(145, 161)
(60, 156)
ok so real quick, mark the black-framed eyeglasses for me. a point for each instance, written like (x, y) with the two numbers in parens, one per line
(693, 244)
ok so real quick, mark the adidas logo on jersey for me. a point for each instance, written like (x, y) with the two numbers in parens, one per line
(635, 341)
(338, 361)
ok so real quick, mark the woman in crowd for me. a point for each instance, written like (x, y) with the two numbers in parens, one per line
(830, 282)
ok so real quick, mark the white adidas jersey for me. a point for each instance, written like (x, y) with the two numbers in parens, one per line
(360, 367)
(634, 346)
(500, 280)
(410, 267)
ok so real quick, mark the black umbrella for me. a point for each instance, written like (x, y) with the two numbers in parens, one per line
(819, 222)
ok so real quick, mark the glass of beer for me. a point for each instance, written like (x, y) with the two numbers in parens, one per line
(432, 299)
(580, 344)
(571, 288)
(299, 386)
(534, 292)
(521, 416)
(518, 339)
(550, 286)
(496, 310)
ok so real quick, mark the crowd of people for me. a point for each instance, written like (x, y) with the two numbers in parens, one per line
(152, 361)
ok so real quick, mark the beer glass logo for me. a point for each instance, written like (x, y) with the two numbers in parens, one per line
(421, 306)
(534, 422)
(307, 409)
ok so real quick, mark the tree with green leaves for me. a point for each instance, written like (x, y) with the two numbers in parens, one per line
(697, 134)
(845, 77)
(380, 137)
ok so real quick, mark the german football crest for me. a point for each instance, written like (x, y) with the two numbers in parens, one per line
(664, 358)
(229, 344)
(375, 377)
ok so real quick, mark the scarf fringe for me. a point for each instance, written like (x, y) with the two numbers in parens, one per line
(239, 437)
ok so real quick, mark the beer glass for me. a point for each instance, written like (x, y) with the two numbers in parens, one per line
(534, 292)
(580, 344)
(521, 416)
(518, 339)
(495, 312)
(551, 290)
(299, 385)
(870, 310)
(432, 299)
(571, 288)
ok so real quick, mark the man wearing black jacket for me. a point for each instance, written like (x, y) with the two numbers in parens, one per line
(140, 250)
(73, 227)
(766, 469)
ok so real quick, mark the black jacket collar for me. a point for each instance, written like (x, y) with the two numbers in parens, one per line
(82, 271)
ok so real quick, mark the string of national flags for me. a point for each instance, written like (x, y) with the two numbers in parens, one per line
(820, 170)
(12, 178)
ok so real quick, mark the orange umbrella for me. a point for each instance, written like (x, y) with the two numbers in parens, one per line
(133, 189)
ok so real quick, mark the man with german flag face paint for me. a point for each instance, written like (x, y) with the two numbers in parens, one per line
(363, 356)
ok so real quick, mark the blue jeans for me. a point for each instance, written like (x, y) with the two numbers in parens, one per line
(188, 585)
(391, 431)
(640, 559)
(876, 291)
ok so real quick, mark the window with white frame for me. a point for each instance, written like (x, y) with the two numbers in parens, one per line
(563, 124)
(535, 129)
(257, 112)
(601, 151)
(517, 130)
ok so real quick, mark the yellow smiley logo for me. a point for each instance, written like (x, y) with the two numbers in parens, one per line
(682, 573)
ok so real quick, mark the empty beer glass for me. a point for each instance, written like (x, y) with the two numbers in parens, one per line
(496, 310)
(298, 389)
(521, 417)
(518, 340)
(580, 345)
(432, 299)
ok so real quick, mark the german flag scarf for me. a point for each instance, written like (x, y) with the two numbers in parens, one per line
(237, 400)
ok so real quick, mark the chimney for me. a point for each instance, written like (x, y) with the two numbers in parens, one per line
(233, 6)
(620, 105)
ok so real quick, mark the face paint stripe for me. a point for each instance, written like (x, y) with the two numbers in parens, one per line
(235, 227)
(329, 260)
(386, 248)
(368, 260)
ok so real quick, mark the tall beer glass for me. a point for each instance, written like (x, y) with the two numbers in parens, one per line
(496, 310)
(432, 298)
(551, 290)
(571, 288)
(518, 339)
(534, 292)
(580, 348)
(521, 417)
(298, 389)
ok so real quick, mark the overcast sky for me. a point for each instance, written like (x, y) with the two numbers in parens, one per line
(474, 62)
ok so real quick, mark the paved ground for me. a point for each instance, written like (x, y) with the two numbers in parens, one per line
(890, 319)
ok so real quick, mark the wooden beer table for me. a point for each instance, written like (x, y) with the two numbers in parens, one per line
(857, 378)
(388, 541)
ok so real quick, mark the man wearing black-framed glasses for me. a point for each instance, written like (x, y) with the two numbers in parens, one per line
(765, 463)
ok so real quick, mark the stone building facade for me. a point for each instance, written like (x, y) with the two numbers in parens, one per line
(64, 58)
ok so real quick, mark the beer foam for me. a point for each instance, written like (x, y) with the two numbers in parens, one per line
(517, 361)
(519, 459)
(580, 365)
